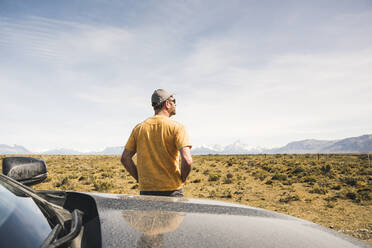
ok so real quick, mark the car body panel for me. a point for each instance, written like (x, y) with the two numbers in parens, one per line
(149, 221)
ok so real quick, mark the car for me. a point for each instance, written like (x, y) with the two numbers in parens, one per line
(31, 218)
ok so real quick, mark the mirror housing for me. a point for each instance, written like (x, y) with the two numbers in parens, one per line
(26, 170)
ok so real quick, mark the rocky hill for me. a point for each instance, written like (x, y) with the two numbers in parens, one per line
(15, 149)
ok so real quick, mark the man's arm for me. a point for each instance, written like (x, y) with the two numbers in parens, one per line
(127, 161)
(186, 162)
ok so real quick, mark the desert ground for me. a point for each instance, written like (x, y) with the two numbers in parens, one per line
(333, 190)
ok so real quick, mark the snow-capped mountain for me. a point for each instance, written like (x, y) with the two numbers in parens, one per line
(62, 151)
(111, 150)
(235, 148)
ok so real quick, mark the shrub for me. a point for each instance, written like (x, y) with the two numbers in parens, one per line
(336, 187)
(351, 195)
(212, 194)
(251, 163)
(331, 198)
(309, 179)
(102, 186)
(213, 177)
(345, 170)
(330, 205)
(82, 178)
(319, 190)
(227, 181)
(298, 170)
(365, 172)
(289, 182)
(226, 194)
(364, 194)
(352, 181)
(62, 182)
(239, 177)
(363, 156)
(289, 198)
(325, 168)
(259, 175)
(104, 175)
(279, 177)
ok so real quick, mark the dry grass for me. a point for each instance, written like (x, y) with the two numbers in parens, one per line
(332, 190)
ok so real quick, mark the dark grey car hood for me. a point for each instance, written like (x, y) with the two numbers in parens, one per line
(148, 221)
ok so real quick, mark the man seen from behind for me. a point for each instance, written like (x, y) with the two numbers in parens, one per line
(158, 142)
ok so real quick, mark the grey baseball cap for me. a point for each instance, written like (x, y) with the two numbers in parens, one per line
(159, 96)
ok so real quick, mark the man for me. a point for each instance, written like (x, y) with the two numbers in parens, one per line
(158, 141)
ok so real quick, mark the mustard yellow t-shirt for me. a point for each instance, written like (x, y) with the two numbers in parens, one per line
(157, 142)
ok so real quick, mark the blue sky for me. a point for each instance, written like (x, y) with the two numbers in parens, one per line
(80, 74)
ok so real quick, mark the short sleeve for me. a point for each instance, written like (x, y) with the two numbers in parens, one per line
(182, 138)
(131, 143)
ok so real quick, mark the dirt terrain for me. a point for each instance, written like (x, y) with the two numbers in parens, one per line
(334, 190)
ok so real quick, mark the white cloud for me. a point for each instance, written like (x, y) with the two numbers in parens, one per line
(84, 86)
(293, 94)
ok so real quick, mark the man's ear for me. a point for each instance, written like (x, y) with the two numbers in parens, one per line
(167, 104)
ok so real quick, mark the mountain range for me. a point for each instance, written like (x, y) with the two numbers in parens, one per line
(360, 144)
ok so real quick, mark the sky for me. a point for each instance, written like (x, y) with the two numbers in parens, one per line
(79, 74)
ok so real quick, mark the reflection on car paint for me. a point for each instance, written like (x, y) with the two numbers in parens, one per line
(153, 225)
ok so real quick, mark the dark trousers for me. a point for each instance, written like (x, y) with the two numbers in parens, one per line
(172, 193)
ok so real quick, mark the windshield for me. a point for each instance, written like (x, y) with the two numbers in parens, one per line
(22, 223)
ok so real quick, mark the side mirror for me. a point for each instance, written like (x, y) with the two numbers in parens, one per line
(28, 171)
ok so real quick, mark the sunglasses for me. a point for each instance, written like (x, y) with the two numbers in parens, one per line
(172, 100)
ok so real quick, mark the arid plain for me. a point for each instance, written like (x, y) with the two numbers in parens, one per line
(334, 190)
